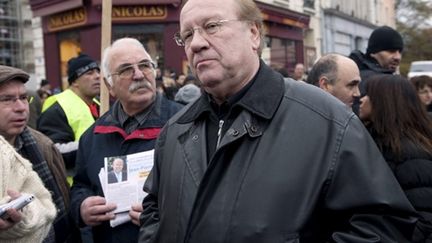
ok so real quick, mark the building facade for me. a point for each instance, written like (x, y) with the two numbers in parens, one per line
(71, 27)
(17, 38)
(347, 24)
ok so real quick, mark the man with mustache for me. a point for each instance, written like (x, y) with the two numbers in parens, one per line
(67, 115)
(383, 55)
(130, 126)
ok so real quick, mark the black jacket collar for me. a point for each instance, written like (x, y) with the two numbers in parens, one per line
(262, 98)
(365, 62)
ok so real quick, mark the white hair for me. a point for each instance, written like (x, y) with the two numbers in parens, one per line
(106, 57)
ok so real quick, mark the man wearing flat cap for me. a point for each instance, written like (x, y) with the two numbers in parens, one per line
(67, 115)
(46, 160)
(383, 56)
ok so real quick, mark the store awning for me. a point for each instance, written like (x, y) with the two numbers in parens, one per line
(284, 16)
(47, 7)
(139, 2)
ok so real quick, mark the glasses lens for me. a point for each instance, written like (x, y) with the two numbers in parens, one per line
(212, 27)
(126, 72)
(10, 100)
(145, 67)
(24, 98)
(178, 39)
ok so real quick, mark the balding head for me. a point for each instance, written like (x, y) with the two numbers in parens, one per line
(338, 75)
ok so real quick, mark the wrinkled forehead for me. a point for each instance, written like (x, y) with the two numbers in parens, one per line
(197, 11)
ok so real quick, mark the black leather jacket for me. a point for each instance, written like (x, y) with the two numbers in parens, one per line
(295, 166)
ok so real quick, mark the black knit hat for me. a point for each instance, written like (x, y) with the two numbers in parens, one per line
(79, 65)
(384, 38)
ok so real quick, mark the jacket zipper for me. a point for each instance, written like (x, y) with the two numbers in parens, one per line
(219, 133)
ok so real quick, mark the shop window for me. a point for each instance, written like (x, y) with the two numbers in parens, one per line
(282, 53)
(358, 43)
(309, 4)
(69, 47)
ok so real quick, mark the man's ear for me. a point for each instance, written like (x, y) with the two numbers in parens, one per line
(323, 83)
(108, 85)
(255, 36)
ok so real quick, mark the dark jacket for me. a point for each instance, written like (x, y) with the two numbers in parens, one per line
(53, 123)
(106, 138)
(295, 166)
(368, 67)
(112, 178)
(413, 170)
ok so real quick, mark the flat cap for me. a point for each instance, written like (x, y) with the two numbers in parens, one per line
(8, 73)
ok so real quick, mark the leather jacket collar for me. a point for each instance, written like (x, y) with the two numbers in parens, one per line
(262, 99)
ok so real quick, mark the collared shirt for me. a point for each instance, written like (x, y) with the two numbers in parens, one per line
(119, 176)
(131, 123)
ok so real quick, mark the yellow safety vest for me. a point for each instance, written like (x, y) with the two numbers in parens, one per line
(77, 111)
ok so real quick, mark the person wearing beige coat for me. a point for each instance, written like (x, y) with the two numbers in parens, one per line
(36, 218)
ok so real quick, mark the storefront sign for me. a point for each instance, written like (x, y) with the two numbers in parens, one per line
(67, 19)
(294, 23)
(139, 12)
(139, 2)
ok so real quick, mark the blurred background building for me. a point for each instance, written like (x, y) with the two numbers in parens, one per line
(41, 35)
(21, 39)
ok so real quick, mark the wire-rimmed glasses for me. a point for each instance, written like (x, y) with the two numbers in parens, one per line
(209, 28)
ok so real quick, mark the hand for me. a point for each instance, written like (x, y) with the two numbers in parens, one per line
(13, 216)
(94, 210)
(135, 213)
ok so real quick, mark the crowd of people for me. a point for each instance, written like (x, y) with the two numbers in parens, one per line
(242, 153)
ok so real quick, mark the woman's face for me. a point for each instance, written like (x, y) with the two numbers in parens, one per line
(425, 95)
(365, 108)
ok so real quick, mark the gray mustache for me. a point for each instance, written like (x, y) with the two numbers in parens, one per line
(140, 84)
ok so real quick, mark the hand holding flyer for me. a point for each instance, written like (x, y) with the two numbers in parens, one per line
(122, 181)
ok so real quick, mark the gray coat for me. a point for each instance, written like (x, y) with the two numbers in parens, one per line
(295, 166)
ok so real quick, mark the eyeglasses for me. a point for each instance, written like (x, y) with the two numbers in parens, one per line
(127, 71)
(10, 100)
(210, 28)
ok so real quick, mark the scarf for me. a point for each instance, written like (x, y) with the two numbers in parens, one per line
(29, 150)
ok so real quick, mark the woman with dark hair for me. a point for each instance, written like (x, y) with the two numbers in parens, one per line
(399, 124)
(423, 85)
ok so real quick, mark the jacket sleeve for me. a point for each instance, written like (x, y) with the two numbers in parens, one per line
(53, 123)
(55, 162)
(81, 188)
(149, 218)
(361, 177)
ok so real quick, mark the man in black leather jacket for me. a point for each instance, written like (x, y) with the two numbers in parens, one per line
(257, 159)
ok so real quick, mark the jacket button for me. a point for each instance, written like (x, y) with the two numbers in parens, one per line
(235, 133)
(254, 128)
(195, 137)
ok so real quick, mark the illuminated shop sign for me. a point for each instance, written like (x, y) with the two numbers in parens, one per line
(139, 12)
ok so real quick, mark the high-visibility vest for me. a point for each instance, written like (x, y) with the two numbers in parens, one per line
(77, 111)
